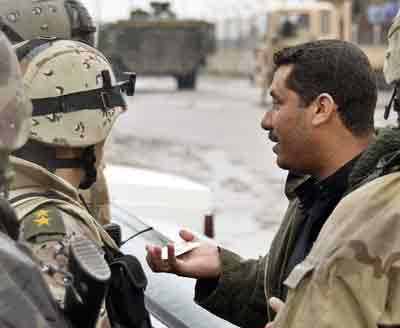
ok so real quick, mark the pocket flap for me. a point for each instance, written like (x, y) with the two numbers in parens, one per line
(44, 224)
(298, 274)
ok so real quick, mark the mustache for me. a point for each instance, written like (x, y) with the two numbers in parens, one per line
(272, 137)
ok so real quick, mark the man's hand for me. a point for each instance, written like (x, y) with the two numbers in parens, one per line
(276, 305)
(201, 262)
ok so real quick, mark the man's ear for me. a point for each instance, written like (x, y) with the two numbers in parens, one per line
(324, 109)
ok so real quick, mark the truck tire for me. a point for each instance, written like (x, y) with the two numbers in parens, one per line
(187, 81)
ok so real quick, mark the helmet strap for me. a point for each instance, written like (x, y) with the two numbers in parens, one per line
(9, 223)
(394, 103)
(12, 35)
(88, 161)
(6, 174)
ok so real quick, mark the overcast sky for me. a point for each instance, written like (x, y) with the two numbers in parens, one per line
(110, 10)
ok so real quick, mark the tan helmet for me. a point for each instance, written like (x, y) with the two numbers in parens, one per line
(27, 19)
(76, 100)
(15, 107)
(391, 67)
(75, 96)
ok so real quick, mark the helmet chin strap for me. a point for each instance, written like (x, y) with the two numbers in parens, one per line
(6, 174)
(88, 161)
(9, 223)
(395, 103)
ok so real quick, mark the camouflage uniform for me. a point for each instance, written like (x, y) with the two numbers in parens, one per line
(24, 297)
(48, 224)
(76, 101)
(66, 19)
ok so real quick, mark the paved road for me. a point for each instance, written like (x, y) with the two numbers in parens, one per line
(214, 136)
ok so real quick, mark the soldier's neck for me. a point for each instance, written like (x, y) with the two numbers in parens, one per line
(73, 176)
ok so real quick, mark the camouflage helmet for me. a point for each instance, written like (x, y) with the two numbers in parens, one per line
(26, 19)
(391, 67)
(75, 96)
(15, 107)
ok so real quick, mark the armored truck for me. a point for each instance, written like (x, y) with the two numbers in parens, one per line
(158, 44)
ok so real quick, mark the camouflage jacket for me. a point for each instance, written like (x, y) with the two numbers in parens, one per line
(49, 223)
(24, 296)
(241, 292)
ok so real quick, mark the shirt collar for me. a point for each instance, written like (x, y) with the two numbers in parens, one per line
(335, 184)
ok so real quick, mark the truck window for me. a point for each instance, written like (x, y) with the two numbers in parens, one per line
(325, 21)
(293, 26)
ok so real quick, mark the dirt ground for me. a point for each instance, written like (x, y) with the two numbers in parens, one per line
(213, 136)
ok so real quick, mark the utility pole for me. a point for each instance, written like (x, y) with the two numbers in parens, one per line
(99, 10)
(99, 18)
(345, 9)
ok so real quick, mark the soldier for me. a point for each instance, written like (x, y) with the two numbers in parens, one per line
(24, 297)
(76, 100)
(162, 10)
(65, 19)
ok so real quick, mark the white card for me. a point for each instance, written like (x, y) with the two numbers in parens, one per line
(180, 248)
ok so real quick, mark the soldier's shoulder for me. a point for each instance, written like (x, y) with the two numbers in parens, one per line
(43, 224)
(363, 226)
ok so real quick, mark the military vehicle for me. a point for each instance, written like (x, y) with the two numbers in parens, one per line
(158, 43)
(290, 24)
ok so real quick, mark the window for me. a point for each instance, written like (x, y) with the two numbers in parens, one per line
(325, 22)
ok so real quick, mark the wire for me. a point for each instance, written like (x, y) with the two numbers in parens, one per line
(136, 234)
(388, 107)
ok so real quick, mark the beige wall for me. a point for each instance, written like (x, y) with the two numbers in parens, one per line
(231, 62)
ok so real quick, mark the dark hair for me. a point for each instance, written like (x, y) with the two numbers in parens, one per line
(338, 68)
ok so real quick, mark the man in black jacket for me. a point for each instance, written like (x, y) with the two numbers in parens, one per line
(321, 121)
